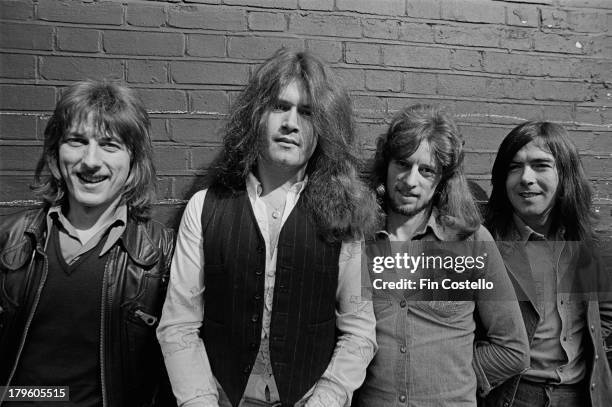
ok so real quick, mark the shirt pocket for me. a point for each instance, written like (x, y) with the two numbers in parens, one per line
(447, 309)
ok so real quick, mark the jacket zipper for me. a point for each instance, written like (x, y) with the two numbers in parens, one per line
(106, 300)
(43, 279)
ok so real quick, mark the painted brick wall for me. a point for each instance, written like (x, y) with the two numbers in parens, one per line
(492, 63)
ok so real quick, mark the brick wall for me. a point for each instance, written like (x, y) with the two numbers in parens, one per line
(492, 63)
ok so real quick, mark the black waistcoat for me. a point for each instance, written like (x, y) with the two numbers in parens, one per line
(302, 329)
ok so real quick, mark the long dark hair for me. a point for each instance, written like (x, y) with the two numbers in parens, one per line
(572, 210)
(336, 199)
(113, 108)
(411, 126)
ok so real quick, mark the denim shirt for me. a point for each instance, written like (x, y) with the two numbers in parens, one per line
(427, 352)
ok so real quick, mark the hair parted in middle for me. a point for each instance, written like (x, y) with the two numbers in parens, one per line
(340, 204)
(572, 210)
(410, 127)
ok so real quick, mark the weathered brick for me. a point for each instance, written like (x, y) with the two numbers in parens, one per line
(479, 163)
(465, 60)
(416, 57)
(260, 47)
(457, 85)
(585, 21)
(27, 97)
(329, 51)
(261, 21)
(16, 10)
(196, 130)
(77, 68)
(146, 15)
(351, 79)
(203, 157)
(467, 36)
(605, 4)
(328, 25)
(588, 69)
(512, 64)
(376, 28)
(147, 71)
(473, 11)
(78, 39)
(185, 187)
(514, 88)
(597, 165)
(17, 187)
(362, 53)
(203, 45)
(558, 112)
(209, 72)
(367, 134)
(198, 1)
(423, 9)
(383, 80)
(207, 17)
(18, 66)
(522, 15)
(553, 90)
(548, 41)
(171, 158)
(596, 45)
(26, 36)
(516, 38)
(394, 104)
(286, 4)
(12, 157)
(481, 137)
(416, 82)
(562, 66)
(414, 32)
(164, 100)
(209, 101)
(324, 5)
(81, 12)
(386, 7)
(144, 43)
(159, 129)
(163, 189)
(13, 127)
(554, 18)
(369, 106)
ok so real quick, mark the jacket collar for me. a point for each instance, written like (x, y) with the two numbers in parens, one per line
(135, 240)
(138, 244)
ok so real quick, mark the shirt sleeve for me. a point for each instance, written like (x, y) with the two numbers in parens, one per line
(193, 383)
(501, 349)
(356, 344)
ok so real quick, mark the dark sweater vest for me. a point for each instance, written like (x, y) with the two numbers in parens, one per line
(63, 345)
(302, 329)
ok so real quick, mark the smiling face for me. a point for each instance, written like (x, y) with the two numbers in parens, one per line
(411, 183)
(289, 140)
(94, 166)
(532, 183)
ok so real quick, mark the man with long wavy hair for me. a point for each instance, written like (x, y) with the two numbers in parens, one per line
(83, 278)
(540, 207)
(426, 335)
(264, 305)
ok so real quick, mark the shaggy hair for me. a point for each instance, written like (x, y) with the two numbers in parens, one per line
(113, 109)
(423, 123)
(339, 203)
(572, 211)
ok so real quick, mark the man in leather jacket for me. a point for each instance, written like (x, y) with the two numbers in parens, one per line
(83, 279)
(540, 213)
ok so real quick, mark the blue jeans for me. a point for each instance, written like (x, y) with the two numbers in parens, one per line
(531, 394)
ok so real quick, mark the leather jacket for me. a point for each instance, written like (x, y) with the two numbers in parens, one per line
(134, 286)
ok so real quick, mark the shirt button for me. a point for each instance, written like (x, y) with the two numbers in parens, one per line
(258, 272)
(255, 318)
(257, 297)
(565, 339)
(403, 303)
(596, 356)
(506, 404)
(592, 385)
(252, 346)
(402, 398)
(403, 349)
(593, 328)
(247, 369)
(561, 302)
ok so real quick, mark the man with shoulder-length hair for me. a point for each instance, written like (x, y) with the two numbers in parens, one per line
(83, 279)
(264, 304)
(426, 335)
(540, 206)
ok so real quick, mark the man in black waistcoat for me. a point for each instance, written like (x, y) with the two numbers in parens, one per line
(264, 306)
(83, 278)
